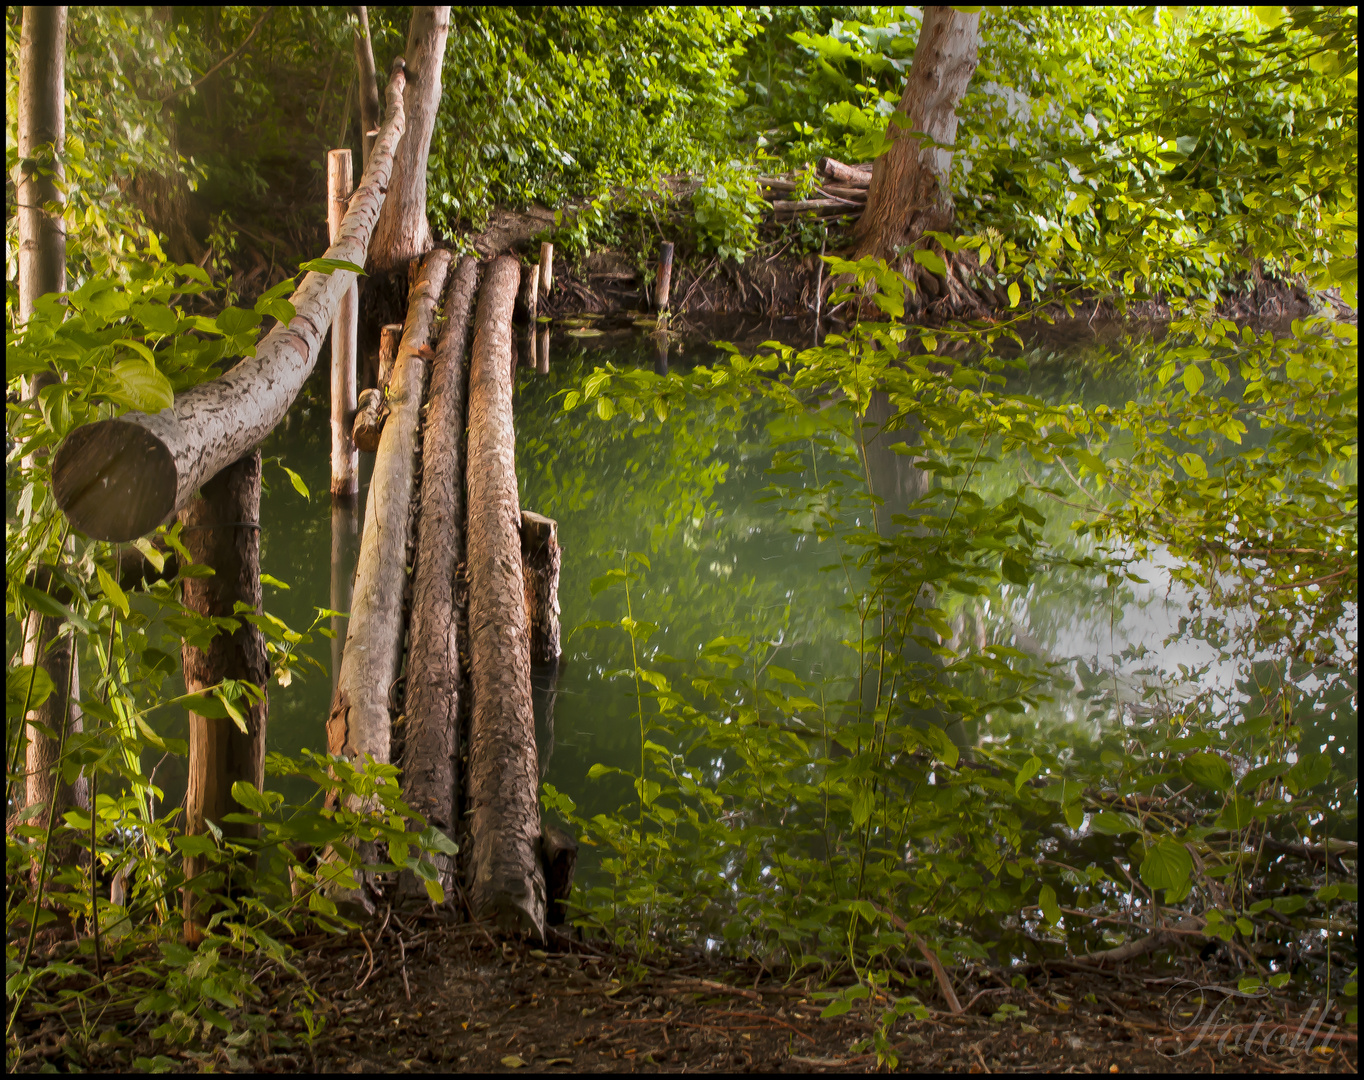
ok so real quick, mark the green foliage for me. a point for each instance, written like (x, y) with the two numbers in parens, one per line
(782, 820)
(725, 210)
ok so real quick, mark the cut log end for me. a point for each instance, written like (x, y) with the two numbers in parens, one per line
(114, 480)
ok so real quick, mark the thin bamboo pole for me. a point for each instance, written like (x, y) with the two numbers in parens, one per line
(345, 457)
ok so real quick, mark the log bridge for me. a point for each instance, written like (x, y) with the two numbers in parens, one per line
(443, 526)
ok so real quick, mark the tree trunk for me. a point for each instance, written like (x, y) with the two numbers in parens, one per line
(540, 557)
(345, 457)
(909, 192)
(508, 882)
(118, 479)
(222, 531)
(359, 723)
(42, 131)
(345, 534)
(431, 748)
(369, 84)
(403, 232)
(42, 270)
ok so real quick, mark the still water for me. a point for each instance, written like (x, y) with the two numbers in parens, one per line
(725, 556)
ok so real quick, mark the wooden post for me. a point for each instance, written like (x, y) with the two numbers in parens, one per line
(118, 479)
(431, 748)
(660, 352)
(664, 284)
(541, 557)
(222, 531)
(359, 723)
(389, 337)
(508, 883)
(542, 351)
(528, 301)
(345, 458)
(546, 269)
(345, 534)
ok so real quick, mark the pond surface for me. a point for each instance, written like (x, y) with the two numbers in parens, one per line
(725, 555)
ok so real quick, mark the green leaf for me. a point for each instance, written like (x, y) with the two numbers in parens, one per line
(1027, 772)
(862, 805)
(1046, 900)
(1207, 770)
(246, 795)
(1194, 465)
(931, 261)
(1167, 866)
(110, 588)
(297, 481)
(1113, 824)
(432, 839)
(434, 891)
(1015, 295)
(234, 320)
(140, 386)
(208, 706)
(270, 579)
(1193, 378)
(17, 691)
(1014, 570)
(327, 266)
(1311, 770)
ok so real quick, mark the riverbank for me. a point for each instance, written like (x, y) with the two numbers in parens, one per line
(429, 994)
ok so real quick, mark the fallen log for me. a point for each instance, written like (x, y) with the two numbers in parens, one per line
(431, 748)
(118, 479)
(359, 725)
(506, 878)
(856, 175)
(541, 558)
(821, 206)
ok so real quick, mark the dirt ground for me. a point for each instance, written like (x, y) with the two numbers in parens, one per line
(426, 994)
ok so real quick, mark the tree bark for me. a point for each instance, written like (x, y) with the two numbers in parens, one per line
(389, 337)
(222, 531)
(42, 131)
(508, 882)
(369, 420)
(42, 270)
(118, 479)
(665, 276)
(359, 724)
(403, 232)
(909, 192)
(345, 537)
(546, 269)
(369, 84)
(431, 748)
(345, 457)
(541, 558)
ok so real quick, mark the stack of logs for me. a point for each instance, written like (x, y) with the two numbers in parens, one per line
(484, 598)
(842, 190)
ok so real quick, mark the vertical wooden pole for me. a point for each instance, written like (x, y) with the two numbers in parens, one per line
(345, 457)
(528, 301)
(546, 269)
(369, 84)
(541, 558)
(222, 531)
(542, 351)
(665, 276)
(345, 544)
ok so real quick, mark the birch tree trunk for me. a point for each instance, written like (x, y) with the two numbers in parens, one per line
(909, 191)
(369, 84)
(507, 878)
(403, 232)
(118, 479)
(222, 531)
(432, 745)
